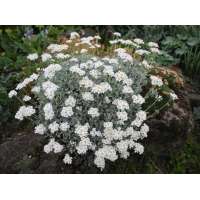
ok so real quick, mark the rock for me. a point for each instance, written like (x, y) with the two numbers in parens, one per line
(20, 153)
(170, 128)
(194, 99)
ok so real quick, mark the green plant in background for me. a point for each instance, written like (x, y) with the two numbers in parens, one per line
(16, 42)
(186, 49)
(191, 60)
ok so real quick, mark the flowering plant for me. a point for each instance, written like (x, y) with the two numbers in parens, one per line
(83, 102)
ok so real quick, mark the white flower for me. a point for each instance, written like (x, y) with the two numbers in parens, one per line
(86, 82)
(125, 57)
(138, 99)
(35, 89)
(53, 48)
(99, 162)
(120, 50)
(49, 147)
(24, 111)
(117, 34)
(121, 104)
(108, 124)
(113, 41)
(87, 40)
(68, 41)
(26, 98)
(62, 56)
(107, 100)
(82, 130)
(87, 96)
(142, 52)
(139, 148)
(146, 64)
(49, 72)
(53, 146)
(48, 111)
(122, 116)
(120, 76)
(94, 112)
(173, 96)
(108, 69)
(83, 51)
(127, 90)
(107, 152)
(57, 147)
(101, 88)
(94, 132)
(49, 89)
(140, 117)
(97, 45)
(46, 57)
(159, 98)
(24, 83)
(98, 64)
(156, 81)
(122, 147)
(76, 69)
(144, 130)
(12, 93)
(83, 145)
(67, 159)
(153, 44)
(67, 111)
(53, 127)
(64, 126)
(40, 129)
(95, 73)
(138, 41)
(33, 56)
(84, 65)
(128, 82)
(113, 61)
(70, 101)
(155, 50)
(34, 77)
(97, 37)
(74, 35)
(73, 60)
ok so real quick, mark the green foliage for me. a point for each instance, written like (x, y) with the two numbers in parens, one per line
(191, 60)
(187, 160)
(185, 47)
(16, 42)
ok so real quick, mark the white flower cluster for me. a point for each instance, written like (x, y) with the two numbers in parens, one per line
(137, 44)
(156, 81)
(53, 146)
(49, 89)
(54, 48)
(27, 81)
(87, 104)
(12, 93)
(33, 56)
(25, 111)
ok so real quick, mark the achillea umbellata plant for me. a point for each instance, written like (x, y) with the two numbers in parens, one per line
(90, 99)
